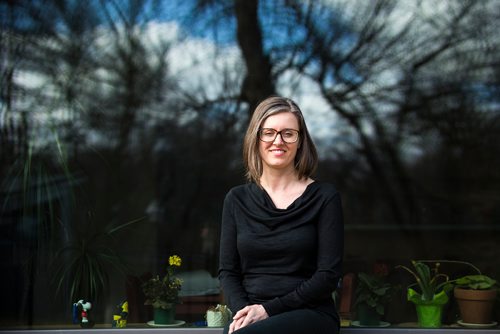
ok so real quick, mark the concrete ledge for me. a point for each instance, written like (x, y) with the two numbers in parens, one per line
(344, 330)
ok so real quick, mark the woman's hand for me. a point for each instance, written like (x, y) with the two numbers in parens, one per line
(247, 316)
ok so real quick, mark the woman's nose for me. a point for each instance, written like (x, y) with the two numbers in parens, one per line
(278, 139)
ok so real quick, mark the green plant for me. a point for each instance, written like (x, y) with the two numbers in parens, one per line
(475, 282)
(84, 261)
(432, 284)
(37, 194)
(373, 291)
(163, 292)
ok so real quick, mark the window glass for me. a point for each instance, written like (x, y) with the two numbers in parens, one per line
(121, 128)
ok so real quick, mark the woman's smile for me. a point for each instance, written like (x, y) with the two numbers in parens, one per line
(278, 152)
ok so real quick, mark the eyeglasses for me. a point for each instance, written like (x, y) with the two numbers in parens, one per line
(269, 135)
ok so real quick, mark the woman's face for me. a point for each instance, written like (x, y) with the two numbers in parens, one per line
(278, 154)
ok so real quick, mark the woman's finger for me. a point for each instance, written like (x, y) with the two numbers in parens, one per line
(241, 313)
(241, 322)
(233, 326)
(247, 321)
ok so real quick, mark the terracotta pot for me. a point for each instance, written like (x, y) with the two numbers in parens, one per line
(475, 306)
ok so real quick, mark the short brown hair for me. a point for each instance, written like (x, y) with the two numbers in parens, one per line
(306, 159)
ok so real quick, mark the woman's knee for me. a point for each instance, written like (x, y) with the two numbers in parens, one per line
(294, 322)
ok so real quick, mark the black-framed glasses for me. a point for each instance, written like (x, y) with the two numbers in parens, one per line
(269, 135)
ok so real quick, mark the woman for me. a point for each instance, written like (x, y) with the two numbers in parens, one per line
(282, 233)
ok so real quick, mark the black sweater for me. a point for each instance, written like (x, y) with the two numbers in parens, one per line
(284, 259)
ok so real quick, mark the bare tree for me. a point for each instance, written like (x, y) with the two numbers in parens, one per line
(60, 77)
(370, 61)
(377, 64)
(259, 81)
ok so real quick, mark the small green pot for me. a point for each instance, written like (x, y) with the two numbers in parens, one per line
(367, 316)
(429, 312)
(429, 315)
(164, 316)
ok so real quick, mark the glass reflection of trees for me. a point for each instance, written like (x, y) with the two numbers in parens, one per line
(118, 112)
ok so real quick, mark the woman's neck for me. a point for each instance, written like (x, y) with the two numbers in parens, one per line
(284, 187)
(277, 180)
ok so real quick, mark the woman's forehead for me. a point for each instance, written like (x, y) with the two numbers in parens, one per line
(281, 120)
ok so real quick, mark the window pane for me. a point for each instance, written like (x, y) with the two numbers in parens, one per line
(121, 127)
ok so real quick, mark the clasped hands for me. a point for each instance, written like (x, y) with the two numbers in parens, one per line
(246, 316)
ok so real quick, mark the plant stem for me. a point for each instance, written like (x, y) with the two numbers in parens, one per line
(453, 261)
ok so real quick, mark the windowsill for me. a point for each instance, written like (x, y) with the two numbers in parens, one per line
(406, 328)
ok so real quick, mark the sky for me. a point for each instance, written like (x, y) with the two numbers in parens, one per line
(198, 55)
(195, 61)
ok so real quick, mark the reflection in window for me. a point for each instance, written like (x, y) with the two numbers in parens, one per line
(121, 126)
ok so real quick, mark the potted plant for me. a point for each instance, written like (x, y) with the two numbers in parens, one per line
(475, 296)
(432, 295)
(83, 263)
(371, 295)
(163, 292)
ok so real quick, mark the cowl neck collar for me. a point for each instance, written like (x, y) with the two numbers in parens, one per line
(259, 208)
(263, 197)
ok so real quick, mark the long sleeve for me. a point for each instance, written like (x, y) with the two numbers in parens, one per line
(230, 274)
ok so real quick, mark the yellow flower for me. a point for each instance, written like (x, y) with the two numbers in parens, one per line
(175, 260)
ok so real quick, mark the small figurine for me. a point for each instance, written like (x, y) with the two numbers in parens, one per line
(120, 319)
(83, 307)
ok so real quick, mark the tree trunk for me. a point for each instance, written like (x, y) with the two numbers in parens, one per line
(258, 83)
